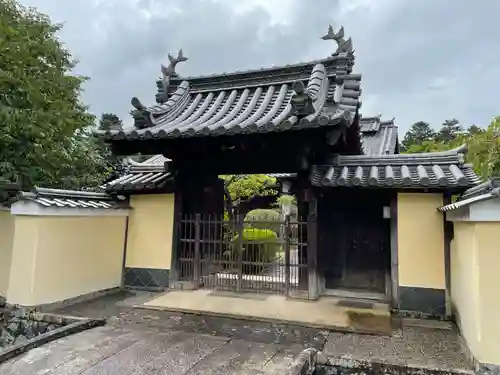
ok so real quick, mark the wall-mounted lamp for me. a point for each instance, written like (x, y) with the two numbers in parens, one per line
(386, 212)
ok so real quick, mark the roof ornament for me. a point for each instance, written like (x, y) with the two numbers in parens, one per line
(301, 101)
(344, 45)
(140, 114)
(169, 71)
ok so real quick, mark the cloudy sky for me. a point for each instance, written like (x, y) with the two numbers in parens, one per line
(421, 59)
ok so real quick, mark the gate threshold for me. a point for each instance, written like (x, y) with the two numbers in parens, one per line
(325, 313)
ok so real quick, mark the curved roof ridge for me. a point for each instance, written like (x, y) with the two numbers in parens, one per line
(266, 69)
(454, 156)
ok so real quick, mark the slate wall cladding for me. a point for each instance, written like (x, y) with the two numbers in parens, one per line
(422, 301)
(146, 278)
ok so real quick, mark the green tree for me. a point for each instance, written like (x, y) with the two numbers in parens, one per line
(110, 121)
(484, 150)
(450, 129)
(44, 139)
(474, 129)
(483, 145)
(418, 133)
(249, 192)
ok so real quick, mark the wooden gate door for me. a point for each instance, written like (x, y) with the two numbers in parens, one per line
(356, 255)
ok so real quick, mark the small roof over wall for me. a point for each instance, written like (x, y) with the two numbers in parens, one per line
(437, 170)
(149, 176)
(486, 195)
(43, 201)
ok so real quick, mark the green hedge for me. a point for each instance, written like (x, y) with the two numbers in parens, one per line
(258, 244)
(263, 219)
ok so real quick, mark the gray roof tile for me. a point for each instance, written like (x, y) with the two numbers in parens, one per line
(282, 175)
(72, 199)
(426, 170)
(250, 102)
(378, 137)
(150, 175)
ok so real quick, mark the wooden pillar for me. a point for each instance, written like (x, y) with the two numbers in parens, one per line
(394, 253)
(312, 246)
(176, 235)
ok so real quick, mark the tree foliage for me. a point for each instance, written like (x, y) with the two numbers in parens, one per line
(418, 133)
(110, 121)
(249, 192)
(245, 187)
(44, 138)
(483, 144)
(450, 130)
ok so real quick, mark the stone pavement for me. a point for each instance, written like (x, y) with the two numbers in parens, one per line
(140, 350)
(138, 341)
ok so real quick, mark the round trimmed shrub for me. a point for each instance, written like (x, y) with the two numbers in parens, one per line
(258, 245)
(263, 219)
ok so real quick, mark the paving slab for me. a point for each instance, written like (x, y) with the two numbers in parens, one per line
(134, 357)
(412, 346)
(138, 350)
(241, 357)
(183, 356)
(66, 353)
(265, 332)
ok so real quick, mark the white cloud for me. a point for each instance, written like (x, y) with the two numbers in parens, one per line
(421, 60)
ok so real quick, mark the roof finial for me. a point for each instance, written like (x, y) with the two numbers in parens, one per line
(170, 69)
(343, 44)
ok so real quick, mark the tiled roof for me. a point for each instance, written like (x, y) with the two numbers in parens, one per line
(150, 175)
(72, 199)
(247, 102)
(282, 175)
(378, 137)
(427, 170)
(487, 190)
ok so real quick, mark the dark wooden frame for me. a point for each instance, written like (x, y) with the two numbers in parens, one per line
(394, 294)
(448, 237)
